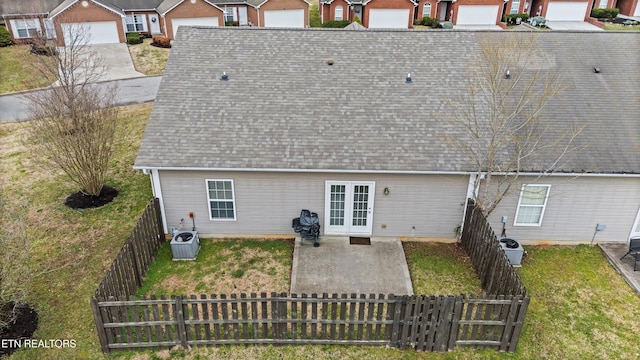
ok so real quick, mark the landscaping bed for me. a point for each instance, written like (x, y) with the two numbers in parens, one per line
(147, 59)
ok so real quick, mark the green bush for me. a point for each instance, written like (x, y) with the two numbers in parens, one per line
(336, 24)
(608, 13)
(314, 16)
(511, 19)
(134, 38)
(427, 21)
(5, 37)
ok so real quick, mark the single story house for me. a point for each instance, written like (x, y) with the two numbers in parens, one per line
(108, 21)
(375, 14)
(363, 140)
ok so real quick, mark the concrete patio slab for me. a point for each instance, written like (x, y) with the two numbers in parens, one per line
(614, 252)
(336, 267)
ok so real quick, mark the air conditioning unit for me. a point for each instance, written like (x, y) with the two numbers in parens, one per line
(185, 245)
(513, 250)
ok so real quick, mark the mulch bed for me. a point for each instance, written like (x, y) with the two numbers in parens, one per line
(79, 200)
(22, 327)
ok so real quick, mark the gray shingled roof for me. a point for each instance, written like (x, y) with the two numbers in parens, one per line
(283, 107)
(12, 7)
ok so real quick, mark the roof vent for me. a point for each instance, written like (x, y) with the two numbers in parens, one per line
(507, 75)
(224, 76)
(330, 62)
(408, 79)
(596, 70)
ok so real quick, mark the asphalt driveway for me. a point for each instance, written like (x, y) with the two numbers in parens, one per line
(336, 267)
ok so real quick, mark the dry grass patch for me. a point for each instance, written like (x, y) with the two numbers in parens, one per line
(223, 267)
(147, 59)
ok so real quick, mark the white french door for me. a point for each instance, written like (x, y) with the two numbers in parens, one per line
(348, 207)
(635, 231)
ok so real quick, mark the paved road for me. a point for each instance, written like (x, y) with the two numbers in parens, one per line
(130, 91)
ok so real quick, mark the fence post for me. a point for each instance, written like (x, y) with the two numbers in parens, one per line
(97, 317)
(158, 216)
(179, 316)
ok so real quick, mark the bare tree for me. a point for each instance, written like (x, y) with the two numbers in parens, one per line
(16, 271)
(74, 122)
(503, 132)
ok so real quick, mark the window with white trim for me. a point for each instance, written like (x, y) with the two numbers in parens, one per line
(338, 16)
(221, 199)
(136, 23)
(426, 10)
(515, 6)
(531, 205)
(25, 28)
(602, 4)
(230, 14)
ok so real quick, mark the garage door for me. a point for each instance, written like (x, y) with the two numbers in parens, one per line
(284, 18)
(99, 32)
(389, 18)
(202, 21)
(477, 15)
(566, 11)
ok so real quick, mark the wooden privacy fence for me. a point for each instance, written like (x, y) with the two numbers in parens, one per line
(425, 323)
(139, 251)
(489, 260)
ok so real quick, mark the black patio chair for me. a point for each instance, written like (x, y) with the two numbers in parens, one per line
(634, 250)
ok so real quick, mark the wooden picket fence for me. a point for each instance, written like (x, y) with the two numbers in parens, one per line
(489, 260)
(424, 323)
(127, 271)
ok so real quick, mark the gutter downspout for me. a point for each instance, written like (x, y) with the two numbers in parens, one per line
(472, 193)
(157, 192)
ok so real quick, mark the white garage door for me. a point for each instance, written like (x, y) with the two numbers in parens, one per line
(284, 18)
(99, 32)
(477, 15)
(203, 21)
(389, 18)
(566, 11)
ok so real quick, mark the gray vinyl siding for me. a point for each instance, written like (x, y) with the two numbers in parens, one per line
(574, 207)
(417, 205)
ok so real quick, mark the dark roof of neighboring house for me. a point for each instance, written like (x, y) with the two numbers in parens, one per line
(64, 5)
(136, 4)
(283, 107)
(12, 7)
(167, 5)
(222, 3)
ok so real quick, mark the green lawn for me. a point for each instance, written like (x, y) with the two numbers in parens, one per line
(621, 27)
(580, 308)
(16, 69)
(71, 249)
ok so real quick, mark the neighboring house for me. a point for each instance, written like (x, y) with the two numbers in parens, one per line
(555, 10)
(108, 21)
(374, 14)
(26, 19)
(315, 125)
(628, 7)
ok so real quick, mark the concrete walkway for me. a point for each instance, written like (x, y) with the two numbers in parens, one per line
(572, 26)
(336, 267)
(614, 252)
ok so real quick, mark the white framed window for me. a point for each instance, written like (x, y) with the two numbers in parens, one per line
(515, 6)
(426, 10)
(602, 4)
(230, 14)
(222, 203)
(338, 16)
(531, 205)
(25, 28)
(136, 23)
